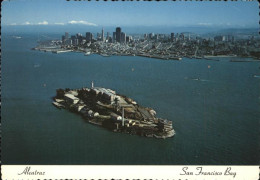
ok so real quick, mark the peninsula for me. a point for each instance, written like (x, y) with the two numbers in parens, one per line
(160, 46)
(118, 113)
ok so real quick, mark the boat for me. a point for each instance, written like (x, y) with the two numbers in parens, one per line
(104, 55)
(17, 37)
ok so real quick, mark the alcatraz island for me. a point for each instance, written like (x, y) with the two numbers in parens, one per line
(118, 113)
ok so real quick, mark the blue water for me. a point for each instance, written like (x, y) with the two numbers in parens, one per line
(216, 117)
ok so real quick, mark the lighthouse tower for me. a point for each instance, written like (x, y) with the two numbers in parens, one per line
(123, 118)
(92, 85)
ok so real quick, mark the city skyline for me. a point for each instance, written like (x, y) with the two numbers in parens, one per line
(102, 14)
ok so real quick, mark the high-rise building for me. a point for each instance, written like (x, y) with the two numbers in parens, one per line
(67, 40)
(102, 35)
(172, 37)
(118, 34)
(63, 39)
(78, 35)
(218, 38)
(182, 37)
(107, 35)
(89, 36)
(66, 35)
(114, 37)
(151, 35)
(123, 37)
(129, 39)
(156, 36)
(223, 38)
(79, 38)
(73, 40)
(229, 38)
(98, 36)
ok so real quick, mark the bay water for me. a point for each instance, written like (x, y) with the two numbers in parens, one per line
(214, 106)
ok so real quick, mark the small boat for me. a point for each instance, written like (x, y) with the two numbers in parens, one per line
(87, 54)
(17, 37)
(104, 55)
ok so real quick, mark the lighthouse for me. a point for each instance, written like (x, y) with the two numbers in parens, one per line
(123, 119)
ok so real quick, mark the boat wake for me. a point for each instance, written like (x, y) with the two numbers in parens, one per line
(36, 65)
(196, 79)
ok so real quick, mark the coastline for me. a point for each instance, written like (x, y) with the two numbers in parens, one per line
(224, 56)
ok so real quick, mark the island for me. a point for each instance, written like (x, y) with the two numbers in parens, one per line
(117, 113)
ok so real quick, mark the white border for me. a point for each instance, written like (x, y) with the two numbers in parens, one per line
(11, 172)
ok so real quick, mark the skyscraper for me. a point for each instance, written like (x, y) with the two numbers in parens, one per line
(67, 39)
(172, 36)
(73, 40)
(118, 34)
(63, 39)
(66, 35)
(89, 36)
(102, 36)
(114, 37)
(123, 37)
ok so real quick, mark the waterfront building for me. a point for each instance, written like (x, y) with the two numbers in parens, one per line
(89, 36)
(118, 34)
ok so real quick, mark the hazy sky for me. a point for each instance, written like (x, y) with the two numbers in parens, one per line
(169, 13)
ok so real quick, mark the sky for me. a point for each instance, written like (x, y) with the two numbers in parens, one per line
(240, 14)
